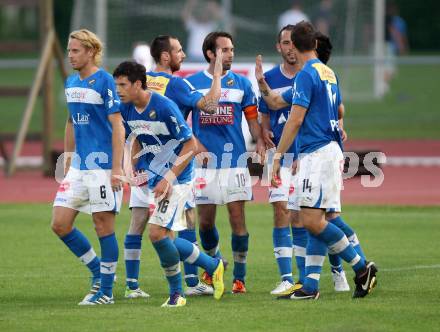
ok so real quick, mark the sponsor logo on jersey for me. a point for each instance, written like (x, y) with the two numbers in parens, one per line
(325, 73)
(334, 124)
(150, 148)
(157, 83)
(223, 116)
(80, 119)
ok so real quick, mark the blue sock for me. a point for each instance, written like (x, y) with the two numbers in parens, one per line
(80, 246)
(337, 243)
(282, 247)
(239, 251)
(132, 256)
(315, 256)
(191, 275)
(350, 234)
(209, 240)
(191, 254)
(109, 261)
(299, 240)
(170, 262)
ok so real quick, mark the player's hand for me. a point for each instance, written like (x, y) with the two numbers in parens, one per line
(162, 190)
(344, 135)
(259, 75)
(276, 178)
(218, 67)
(116, 178)
(260, 149)
(267, 137)
(295, 166)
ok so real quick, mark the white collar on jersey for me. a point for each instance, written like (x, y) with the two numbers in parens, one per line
(210, 76)
(285, 74)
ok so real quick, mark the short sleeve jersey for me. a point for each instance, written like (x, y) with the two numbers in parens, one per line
(222, 132)
(279, 83)
(161, 131)
(90, 101)
(176, 88)
(316, 88)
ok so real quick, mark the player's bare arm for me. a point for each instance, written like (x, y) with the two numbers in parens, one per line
(272, 99)
(69, 144)
(209, 103)
(118, 142)
(290, 131)
(255, 129)
(267, 131)
(341, 113)
(164, 187)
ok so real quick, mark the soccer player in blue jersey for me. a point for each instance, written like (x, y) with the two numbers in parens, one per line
(168, 55)
(315, 121)
(225, 179)
(323, 51)
(280, 79)
(95, 134)
(167, 146)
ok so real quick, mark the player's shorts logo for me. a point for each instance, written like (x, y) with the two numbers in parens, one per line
(200, 183)
(291, 190)
(64, 186)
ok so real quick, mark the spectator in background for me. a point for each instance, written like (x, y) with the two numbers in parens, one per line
(141, 55)
(396, 30)
(293, 15)
(324, 18)
(200, 18)
(396, 39)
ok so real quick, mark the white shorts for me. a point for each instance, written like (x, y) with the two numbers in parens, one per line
(88, 191)
(170, 212)
(222, 186)
(141, 197)
(281, 194)
(319, 180)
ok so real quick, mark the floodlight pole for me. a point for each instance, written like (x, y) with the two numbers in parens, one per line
(379, 48)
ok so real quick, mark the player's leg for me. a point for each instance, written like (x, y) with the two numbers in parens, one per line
(208, 232)
(105, 229)
(320, 174)
(72, 197)
(281, 235)
(170, 262)
(239, 243)
(62, 225)
(299, 241)
(191, 254)
(104, 205)
(194, 286)
(139, 205)
(207, 196)
(282, 245)
(338, 274)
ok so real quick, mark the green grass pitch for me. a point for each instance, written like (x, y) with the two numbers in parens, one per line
(41, 282)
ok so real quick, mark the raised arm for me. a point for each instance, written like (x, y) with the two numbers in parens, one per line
(209, 102)
(272, 99)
